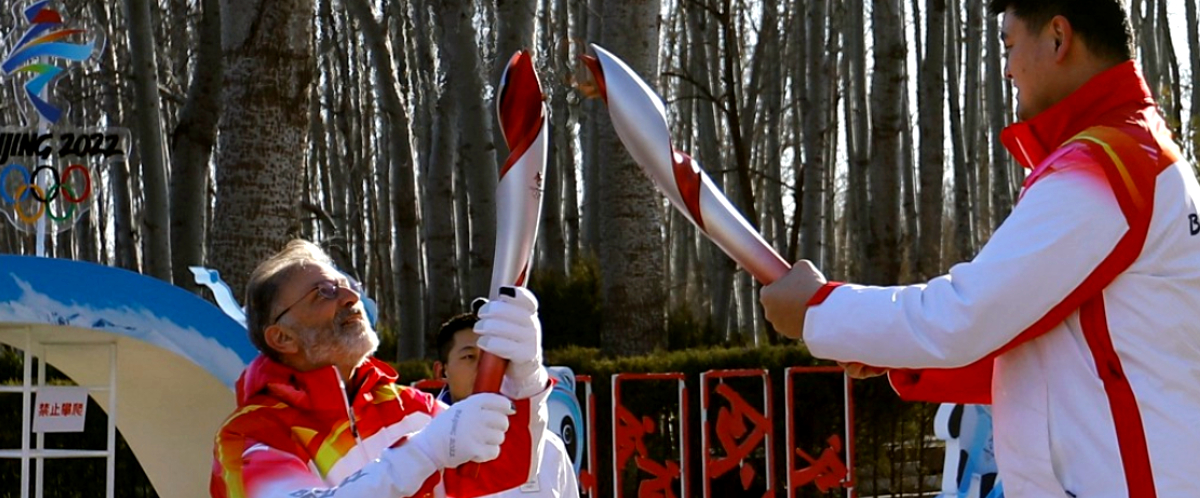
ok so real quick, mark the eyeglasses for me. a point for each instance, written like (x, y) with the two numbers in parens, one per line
(327, 290)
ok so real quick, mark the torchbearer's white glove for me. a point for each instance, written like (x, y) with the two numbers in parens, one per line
(469, 431)
(508, 327)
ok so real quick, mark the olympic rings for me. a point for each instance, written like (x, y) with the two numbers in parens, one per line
(4, 191)
(62, 186)
(21, 212)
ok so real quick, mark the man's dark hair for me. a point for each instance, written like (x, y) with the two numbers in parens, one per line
(265, 283)
(1102, 24)
(445, 335)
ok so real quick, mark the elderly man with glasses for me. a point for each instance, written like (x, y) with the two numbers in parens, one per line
(319, 416)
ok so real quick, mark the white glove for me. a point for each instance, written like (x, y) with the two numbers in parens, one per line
(508, 327)
(469, 431)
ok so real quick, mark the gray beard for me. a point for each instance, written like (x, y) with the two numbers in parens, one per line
(338, 344)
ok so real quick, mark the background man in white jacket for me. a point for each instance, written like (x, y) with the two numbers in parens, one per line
(458, 358)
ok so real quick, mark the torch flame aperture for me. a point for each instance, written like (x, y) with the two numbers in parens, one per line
(520, 106)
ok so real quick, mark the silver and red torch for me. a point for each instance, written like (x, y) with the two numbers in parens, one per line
(641, 124)
(524, 122)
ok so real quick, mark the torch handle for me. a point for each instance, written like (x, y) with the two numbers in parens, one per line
(490, 373)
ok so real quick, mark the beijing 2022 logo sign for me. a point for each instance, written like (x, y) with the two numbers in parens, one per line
(51, 170)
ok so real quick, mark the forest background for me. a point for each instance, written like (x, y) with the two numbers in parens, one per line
(860, 134)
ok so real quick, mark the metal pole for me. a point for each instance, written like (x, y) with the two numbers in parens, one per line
(111, 457)
(39, 460)
(703, 435)
(26, 409)
(616, 398)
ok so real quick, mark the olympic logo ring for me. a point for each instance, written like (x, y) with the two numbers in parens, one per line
(61, 187)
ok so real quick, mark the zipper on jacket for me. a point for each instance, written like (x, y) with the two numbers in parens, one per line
(349, 411)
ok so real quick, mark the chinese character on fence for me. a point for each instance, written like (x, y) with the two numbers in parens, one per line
(826, 472)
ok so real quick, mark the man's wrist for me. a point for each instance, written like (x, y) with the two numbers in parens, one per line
(524, 380)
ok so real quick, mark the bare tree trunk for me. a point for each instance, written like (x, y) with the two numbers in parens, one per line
(976, 133)
(931, 106)
(888, 85)
(418, 53)
(403, 195)
(829, 234)
(739, 118)
(773, 220)
(630, 224)
(1144, 29)
(681, 233)
(150, 144)
(1193, 37)
(908, 191)
(553, 244)
(571, 214)
(361, 110)
(462, 236)
(858, 132)
(125, 250)
(438, 215)
(475, 148)
(1172, 99)
(191, 145)
(589, 142)
(963, 244)
(261, 147)
(799, 74)
(815, 133)
(832, 128)
(1002, 193)
(720, 267)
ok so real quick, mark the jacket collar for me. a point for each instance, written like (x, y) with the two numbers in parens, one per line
(318, 390)
(1120, 86)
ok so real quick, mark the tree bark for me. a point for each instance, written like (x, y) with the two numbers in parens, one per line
(887, 86)
(1193, 37)
(191, 144)
(963, 246)
(150, 144)
(931, 107)
(560, 155)
(719, 267)
(815, 133)
(858, 133)
(475, 148)
(630, 242)
(263, 137)
(124, 248)
(773, 220)
(438, 214)
(976, 132)
(1144, 29)
(406, 252)
(1002, 191)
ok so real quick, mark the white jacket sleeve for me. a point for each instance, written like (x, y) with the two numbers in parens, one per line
(1066, 224)
(266, 472)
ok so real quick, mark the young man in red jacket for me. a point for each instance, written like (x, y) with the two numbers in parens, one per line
(1079, 321)
(318, 416)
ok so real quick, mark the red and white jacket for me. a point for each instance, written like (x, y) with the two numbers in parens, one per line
(1079, 321)
(295, 434)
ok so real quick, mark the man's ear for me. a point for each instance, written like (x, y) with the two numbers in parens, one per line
(439, 370)
(1064, 37)
(282, 339)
